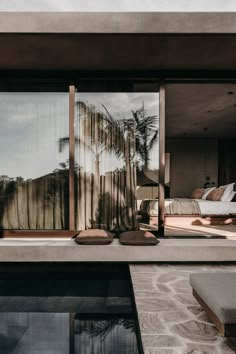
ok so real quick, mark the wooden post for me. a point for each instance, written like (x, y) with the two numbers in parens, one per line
(161, 196)
(71, 158)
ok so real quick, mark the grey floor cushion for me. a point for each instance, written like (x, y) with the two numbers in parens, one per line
(138, 238)
(216, 292)
(94, 237)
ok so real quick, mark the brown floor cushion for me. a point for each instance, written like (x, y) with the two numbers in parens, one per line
(138, 238)
(94, 237)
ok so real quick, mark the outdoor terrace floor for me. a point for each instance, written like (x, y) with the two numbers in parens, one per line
(170, 319)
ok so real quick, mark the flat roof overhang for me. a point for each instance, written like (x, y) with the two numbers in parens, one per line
(118, 41)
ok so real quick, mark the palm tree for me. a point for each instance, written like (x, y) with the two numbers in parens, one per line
(146, 133)
(102, 133)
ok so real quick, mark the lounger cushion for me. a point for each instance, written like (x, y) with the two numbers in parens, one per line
(138, 238)
(218, 291)
(94, 237)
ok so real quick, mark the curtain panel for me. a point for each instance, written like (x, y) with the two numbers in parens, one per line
(105, 171)
(34, 172)
(34, 204)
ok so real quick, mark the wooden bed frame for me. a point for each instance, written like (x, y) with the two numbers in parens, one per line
(225, 329)
(187, 220)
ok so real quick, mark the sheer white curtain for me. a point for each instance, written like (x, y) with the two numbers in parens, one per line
(105, 171)
(34, 173)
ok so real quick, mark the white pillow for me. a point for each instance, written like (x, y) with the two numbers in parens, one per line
(231, 196)
(228, 189)
(207, 191)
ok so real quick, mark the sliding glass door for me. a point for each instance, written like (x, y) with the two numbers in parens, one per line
(116, 160)
(80, 159)
(34, 167)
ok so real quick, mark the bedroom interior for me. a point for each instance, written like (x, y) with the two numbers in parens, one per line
(201, 142)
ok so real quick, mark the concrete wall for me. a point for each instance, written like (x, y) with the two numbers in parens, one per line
(117, 41)
(191, 161)
(117, 22)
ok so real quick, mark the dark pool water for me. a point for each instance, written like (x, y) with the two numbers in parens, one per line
(74, 309)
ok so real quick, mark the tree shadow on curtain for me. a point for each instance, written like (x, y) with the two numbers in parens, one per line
(7, 192)
(105, 193)
(116, 211)
(35, 204)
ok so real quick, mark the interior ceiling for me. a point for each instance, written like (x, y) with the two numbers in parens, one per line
(201, 110)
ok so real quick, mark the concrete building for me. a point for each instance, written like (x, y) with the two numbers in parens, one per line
(116, 121)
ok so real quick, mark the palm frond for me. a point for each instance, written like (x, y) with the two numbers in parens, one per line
(101, 328)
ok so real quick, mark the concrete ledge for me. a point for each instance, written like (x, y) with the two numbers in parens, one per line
(172, 250)
(117, 22)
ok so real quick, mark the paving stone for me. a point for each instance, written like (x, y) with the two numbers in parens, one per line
(143, 286)
(186, 299)
(150, 293)
(137, 275)
(196, 348)
(188, 330)
(160, 351)
(155, 305)
(179, 290)
(175, 316)
(159, 341)
(142, 281)
(149, 268)
(162, 288)
(203, 317)
(151, 323)
(195, 310)
(167, 277)
(196, 331)
(183, 283)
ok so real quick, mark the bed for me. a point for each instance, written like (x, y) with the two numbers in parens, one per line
(190, 210)
(187, 206)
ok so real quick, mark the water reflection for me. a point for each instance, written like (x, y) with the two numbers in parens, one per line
(100, 336)
(67, 312)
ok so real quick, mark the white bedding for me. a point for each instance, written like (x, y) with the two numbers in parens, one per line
(206, 207)
(217, 208)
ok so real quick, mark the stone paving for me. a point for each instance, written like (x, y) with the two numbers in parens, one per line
(171, 320)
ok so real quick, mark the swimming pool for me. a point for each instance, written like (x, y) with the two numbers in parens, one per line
(67, 309)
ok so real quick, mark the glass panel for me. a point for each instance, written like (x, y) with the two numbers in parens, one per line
(117, 160)
(201, 143)
(34, 162)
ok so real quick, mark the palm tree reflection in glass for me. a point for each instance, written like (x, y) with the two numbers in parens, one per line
(118, 146)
